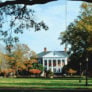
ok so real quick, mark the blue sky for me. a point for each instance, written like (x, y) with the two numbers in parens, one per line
(53, 14)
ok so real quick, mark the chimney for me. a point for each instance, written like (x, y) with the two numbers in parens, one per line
(45, 49)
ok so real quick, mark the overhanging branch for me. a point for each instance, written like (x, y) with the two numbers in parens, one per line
(26, 2)
(82, 0)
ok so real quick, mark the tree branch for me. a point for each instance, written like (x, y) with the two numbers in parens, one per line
(26, 2)
(83, 0)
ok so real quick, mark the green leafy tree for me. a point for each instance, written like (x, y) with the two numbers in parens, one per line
(37, 66)
(79, 36)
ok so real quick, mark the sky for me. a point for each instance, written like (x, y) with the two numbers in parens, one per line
(54, 15)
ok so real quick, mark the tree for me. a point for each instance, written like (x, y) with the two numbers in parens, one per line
(29, 67)
(3, 62)
(82, 0)
(18, 58)
(36, 68)
(79, 36)
(17, 15)
(20, 61)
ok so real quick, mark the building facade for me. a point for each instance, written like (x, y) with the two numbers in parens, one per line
(53, 60)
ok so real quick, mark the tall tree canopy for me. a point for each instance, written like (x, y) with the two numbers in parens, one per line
(79, 36)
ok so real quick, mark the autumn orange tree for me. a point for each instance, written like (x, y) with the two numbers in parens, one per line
(18, 56)
(33, 67)
(23, 60)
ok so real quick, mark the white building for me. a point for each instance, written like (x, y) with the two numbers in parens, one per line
(53, 60)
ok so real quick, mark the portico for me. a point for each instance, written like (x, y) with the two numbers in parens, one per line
(54, 64)
(53, 60)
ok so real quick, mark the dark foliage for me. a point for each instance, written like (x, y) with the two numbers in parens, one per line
(83, 0)
(26, 2)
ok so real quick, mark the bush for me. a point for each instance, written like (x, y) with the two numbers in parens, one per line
(7, 72)
(34, 71)
(72, 71)
(49, 73)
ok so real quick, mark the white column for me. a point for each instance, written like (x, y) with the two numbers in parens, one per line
(52, 65)
(57, 65)
(47, 64)
(65, 61)
(61, 65)
(43, 67)
(43, 63)
(61, 62)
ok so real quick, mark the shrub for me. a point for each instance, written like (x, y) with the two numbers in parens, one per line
(34, 71)
(49, 73)
(72, 71)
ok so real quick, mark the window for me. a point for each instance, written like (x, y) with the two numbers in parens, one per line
(63, 62)
(45, 62)
(59, 62)
(49, 62)
(59, 70)
(45, 68)
(54, 70)
(54, 62)
(40, 61)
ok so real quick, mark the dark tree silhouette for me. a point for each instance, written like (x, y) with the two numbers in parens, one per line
(26, 2)
(79, 36)
(83, 0)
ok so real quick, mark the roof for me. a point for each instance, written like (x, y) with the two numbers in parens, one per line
(59, 53)
(42, 53)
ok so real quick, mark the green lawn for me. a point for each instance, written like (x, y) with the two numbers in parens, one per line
(44, 83)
